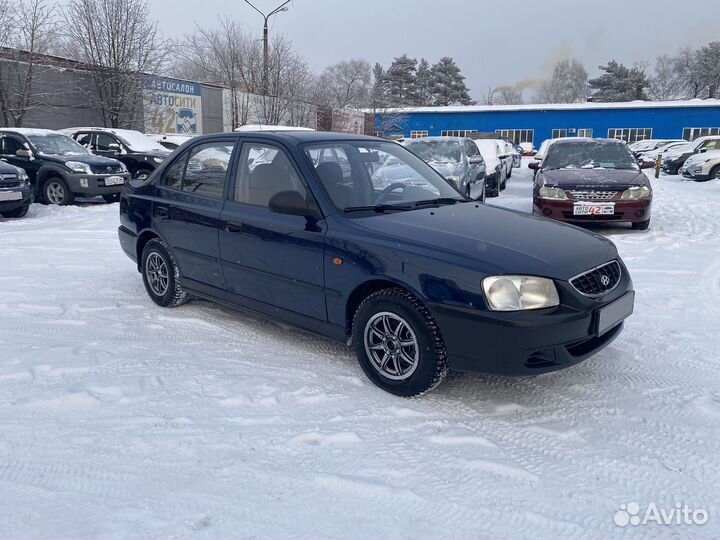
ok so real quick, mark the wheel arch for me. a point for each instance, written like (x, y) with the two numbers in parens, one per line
(365, 289)
(142, 241)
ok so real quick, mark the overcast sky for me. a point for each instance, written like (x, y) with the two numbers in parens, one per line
(494, 42)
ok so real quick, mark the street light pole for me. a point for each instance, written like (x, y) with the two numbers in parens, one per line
(266, 54)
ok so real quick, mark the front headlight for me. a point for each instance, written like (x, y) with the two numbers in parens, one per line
(123, 167)
(516, 293)
(158, 160)
(455, 180)
(636, 193)
(78, 167)
(22, 175)
(547, 192)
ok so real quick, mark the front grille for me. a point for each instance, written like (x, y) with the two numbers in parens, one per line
(6, 179)
(106, 169)
(593, 195)
(599, 280)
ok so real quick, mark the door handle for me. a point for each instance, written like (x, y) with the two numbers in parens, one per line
(234, 227)
(162, 212)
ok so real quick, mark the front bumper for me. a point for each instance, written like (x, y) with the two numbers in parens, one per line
(562, 210)
(672, 167)
(23, 192)
(523, 343)
(91, 185)
(695, 174)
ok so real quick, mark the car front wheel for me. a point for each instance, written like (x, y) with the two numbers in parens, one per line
(161, 275)
(56, 192)
(398, 343)
(142, 174)
(641, 225)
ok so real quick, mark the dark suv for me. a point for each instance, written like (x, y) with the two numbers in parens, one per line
(140, 154)
(59, 168)
(414, 275)
(15, 191)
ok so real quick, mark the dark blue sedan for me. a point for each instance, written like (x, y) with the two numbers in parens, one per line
(296, 227)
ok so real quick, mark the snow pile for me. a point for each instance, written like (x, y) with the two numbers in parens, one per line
(123, 420)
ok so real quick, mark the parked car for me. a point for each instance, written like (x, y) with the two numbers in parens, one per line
(675, 158)
(652, 155)
(15, 191)
(649, 145)
(416, 278)
(702, 167)
(528, 148)
(170, 141)
(457, 159)
(507, 155)
(592, 181)
(140, 154)
(59, 168)
(268, 127)
(496, 170)
(515, 150)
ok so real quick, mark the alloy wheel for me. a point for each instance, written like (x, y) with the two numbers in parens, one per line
(157, 274)
(391, 346)
(55, 192)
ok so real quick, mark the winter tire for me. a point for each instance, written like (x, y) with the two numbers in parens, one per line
(55, 191)
(161, 275)
(17, 213)
(111, 198)
(641, 225)
(398, 343)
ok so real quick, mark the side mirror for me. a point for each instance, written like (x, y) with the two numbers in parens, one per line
(475, 160)
(534, 165)
(702, 150)
(291, 203)
(24, 153)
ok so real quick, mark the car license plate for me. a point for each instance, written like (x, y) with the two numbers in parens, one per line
(612, 314)
(114, 181)
(594, 209)
(10, 195)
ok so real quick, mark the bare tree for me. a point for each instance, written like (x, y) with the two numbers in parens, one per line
(118, 41)
(27, 29)
(507, 95)
(667, 83)
(348, 84)
(568, 84)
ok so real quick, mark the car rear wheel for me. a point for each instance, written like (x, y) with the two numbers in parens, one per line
(714, 173)
(641, 225)
(111, 198)
(161, 275)
(398, 343)
(57, 192)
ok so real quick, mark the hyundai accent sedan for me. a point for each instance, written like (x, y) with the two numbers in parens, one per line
(592, 181)
(414, 276)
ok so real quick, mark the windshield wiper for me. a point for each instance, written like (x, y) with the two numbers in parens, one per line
(378, 208)
(440, 201)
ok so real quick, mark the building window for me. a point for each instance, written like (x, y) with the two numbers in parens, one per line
(379, 133)
(559, 133)
(586, 132)
(630, 135)
(690, 134)
(517, 135)
(457, 132)
(418, 134)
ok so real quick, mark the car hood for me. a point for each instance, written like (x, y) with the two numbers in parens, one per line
(447, 168)
(162, 154)
(567, 178)
(494, 240)
(702, 158)
(6, 168)
(90, 159)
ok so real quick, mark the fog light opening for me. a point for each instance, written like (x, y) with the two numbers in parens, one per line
(546, 211)
(639, 213)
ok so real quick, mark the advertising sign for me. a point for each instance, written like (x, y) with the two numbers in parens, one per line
(172, 106)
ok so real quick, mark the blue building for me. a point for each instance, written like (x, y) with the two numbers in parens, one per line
(631, 121)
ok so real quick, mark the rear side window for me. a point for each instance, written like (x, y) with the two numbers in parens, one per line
(263, 171)
(202, 170)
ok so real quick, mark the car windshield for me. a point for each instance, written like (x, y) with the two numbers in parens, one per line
(438, 150)
(139, 143)
(379, 176)
(589, 155)
(56, 144)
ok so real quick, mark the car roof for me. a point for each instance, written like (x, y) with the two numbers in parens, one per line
(566, 140)
(30, 131)
(295, 137)
(118, 131)
(436, 138)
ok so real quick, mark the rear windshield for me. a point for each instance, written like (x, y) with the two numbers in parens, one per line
(589, 155)
(438, 151)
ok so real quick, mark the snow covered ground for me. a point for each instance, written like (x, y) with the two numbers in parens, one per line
(121, 420)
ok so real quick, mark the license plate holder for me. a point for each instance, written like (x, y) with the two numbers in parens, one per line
(114, 181)
(594, 209)
(614, 313)
(10, 195)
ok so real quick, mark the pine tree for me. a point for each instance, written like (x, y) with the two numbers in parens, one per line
(379, 92)
(401, 79)
(619, 83)
(449, 84)
(424, 83)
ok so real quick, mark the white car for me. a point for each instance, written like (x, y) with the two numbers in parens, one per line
(495, 168)
(652, 155)
(171, 141)
(528, 148)
(702, 167)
